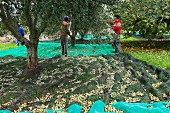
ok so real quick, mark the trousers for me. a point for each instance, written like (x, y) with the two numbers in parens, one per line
(117, 44)
(17, 42)
(64, 44)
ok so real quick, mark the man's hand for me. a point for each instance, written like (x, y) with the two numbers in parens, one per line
(109, 22)
(69, 34)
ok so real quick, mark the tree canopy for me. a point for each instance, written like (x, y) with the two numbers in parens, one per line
(149, 17)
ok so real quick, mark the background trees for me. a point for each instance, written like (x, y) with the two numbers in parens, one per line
(149, 17)
(86, 15)
(3, 30)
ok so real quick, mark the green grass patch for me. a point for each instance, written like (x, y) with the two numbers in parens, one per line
(128, 38)
(158, 59)
(7, 46)
(155, 52)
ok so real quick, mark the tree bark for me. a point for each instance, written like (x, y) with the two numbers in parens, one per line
(32, 56)
(73, 39)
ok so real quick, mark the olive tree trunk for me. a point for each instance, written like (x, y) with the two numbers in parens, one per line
(32, 56)
(73, 39)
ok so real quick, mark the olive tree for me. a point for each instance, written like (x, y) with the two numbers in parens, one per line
(149, 17)
(38, 15)
(86, 15)
(35, 14)
(3, 30)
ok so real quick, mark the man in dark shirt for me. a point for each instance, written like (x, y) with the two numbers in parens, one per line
(64, 32)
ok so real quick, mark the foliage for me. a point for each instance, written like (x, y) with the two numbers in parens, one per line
(3, 30)
(146, 16)
(85, 15)
(156, 45)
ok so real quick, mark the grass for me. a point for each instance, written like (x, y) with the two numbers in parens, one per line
(7, 46)
(160, 59)
(154, 52)
(128, 38)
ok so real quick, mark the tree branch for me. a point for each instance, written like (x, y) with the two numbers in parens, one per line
(44, 23)
(11, 23)
(26, 11)
(106, 2)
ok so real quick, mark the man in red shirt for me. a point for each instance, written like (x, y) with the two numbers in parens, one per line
(116, 27)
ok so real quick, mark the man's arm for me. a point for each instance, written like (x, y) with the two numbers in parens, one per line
(110, 22)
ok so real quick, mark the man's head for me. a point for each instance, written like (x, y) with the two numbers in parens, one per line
(66, 18)
(117, 16)
(19, 24)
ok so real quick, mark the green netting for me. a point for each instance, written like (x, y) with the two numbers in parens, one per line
(24, 112)
(168, 34)
(5, 111)
(137, 33)
(54, 111)
(98, 107)
(74, 108)
(157, 107)
(93, 37)
(52, 49)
